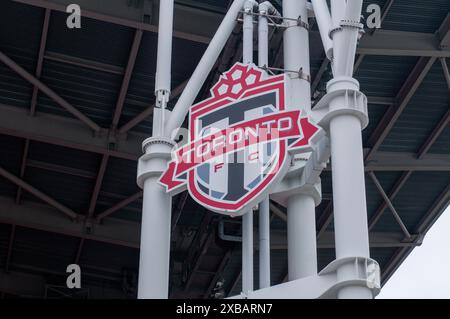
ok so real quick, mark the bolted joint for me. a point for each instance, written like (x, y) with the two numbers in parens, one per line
(88, 226)
(343, 98)
(162, 98)
(158, 152)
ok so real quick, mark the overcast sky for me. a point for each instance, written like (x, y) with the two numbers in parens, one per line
(426, 272)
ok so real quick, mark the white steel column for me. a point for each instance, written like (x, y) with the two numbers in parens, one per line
(264, 244)
(156, 210)
(349, 196)
(247, 252)
(264, 209)
(302, 248)
(302, 254)
(247, 219)
(155, 241)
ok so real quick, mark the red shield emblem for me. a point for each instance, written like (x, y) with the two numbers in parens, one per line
(239, 142)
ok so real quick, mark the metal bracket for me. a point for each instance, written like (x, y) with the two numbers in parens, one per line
(300, 22)
(346, 24)
(158, 152)
(301, 75)
(343, 97)
(303, 177)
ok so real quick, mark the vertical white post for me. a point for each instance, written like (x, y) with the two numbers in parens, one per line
(324, 23)
(247, 252)
(302, 254)
(247, 47)
(247, 219)
(264, 208)
(263, 37)
(349, 196)
(155, 242)
(296, 53)
(302, 248)
(164, 57)
(264, 244)
(156, 210)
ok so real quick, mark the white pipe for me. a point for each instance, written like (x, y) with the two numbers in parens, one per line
(263, 37)
(264, 244)
(353, 10)
(247, 219)
(337, 15)
(345, 41)
(264, 209)
(352, 13)
(205, 65)
(247, 56)
(324, 23)
(163, 63)
(155, 242)
(247, 252)
(338, 11)
(349, 197)
(302, 256)
(154, 256)
(164, 57)
(296, 53)
(302, 246)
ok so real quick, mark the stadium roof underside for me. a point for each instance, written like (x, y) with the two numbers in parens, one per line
(75, 106)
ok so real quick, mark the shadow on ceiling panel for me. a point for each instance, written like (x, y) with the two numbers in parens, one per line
(414, 200)
(11, 153)
(111, 258)
(94, 93)
(14, 90)
(5, 231)
(376, 113)
(10, 159)
(382, 255)
(383, 76)
(20, 25)
(41, 251)
(421, 115)
(71, 191)
(416, 15)
(214, 5)
(130, 212)
(97, 41)
(120, 177)
(64, 157)
(442, 144)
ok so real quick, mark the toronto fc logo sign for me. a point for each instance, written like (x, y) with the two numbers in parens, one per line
(240, 142)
